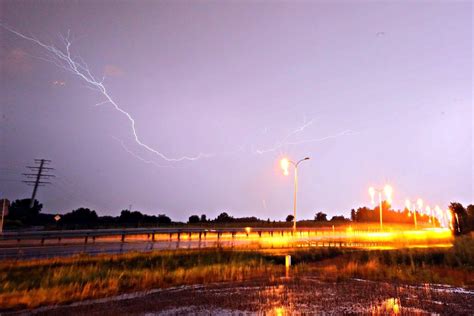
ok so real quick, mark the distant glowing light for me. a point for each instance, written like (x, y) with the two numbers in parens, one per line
(419, 202)
(450, 219)
(408, 204)
(388, 192)
(428, 212)
(285, 165)
(372, 194)
(457, 220)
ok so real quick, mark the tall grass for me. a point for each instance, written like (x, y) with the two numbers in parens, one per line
(28, 284)
(41, 282)
(453, 266)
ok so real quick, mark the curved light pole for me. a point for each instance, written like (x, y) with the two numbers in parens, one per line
(285, 164)
(388, 193)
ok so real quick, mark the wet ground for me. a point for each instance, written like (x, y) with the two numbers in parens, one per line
(283, 296)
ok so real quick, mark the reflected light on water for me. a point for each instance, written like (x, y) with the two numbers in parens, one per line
(279, 311)
(391, 306)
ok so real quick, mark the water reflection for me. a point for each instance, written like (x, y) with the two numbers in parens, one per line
(306, 295)
(391, 306)
(278, 311)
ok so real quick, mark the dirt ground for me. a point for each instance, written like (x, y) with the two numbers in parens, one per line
(281, 296)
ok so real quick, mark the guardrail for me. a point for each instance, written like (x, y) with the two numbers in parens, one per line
(172, 232)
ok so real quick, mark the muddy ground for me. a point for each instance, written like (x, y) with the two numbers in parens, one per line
(282, 296)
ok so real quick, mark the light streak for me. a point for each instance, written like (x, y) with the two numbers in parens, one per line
(362, 236)
(75, 65)
(372, 194)
(388, 192)
(457, 220)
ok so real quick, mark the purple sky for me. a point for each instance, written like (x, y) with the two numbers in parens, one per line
(389, 83)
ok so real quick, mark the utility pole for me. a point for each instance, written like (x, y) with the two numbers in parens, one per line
(40, 173)
(5, 206)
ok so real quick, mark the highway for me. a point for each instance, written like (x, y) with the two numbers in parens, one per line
(44, 244)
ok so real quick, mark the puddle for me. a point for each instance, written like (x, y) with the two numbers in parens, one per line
(282, 296)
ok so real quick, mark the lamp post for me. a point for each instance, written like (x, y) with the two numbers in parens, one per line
(285, 164)
(429, 214)
(412, 207)
(439, 216)
(387, 189)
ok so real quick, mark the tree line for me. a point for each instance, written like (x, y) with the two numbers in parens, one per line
(22, 215)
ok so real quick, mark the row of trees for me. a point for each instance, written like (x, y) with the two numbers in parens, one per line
(322, 217)
(365, 214)
(462, 218)
(20, 215)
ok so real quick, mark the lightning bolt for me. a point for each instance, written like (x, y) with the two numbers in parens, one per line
(75, 65)
(135, 155)
(78, 67)
(314, 140)
(286, 140)
(283, 141)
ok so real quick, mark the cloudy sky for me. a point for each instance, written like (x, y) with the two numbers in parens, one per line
(373, 92)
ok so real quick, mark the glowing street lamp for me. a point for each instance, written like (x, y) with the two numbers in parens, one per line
(439, 214)
(430, 214)
(419, 202)
(412, 207)
(285, 165)
(449, 216)
(388, 193)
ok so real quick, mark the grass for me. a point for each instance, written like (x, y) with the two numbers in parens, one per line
(29, 284)
(453, 266)
(33, 283)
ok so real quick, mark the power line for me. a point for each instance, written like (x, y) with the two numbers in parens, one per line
(40, 174)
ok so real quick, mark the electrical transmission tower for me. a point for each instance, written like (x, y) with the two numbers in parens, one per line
(40, 172)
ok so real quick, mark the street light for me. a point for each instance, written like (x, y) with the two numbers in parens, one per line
(428, 212)
(387, 189)
(285, 164)
(412, 207)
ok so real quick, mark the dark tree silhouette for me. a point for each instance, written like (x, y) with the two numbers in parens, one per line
(134, 217)
(459, 218)
(470, 217)
(20, 210)
(340, 218)
(163, 219)
(203, 218)
(224, 218)
(193, 219)
(353, 215)
(321, 217)
(81, 217)
(290, 218)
